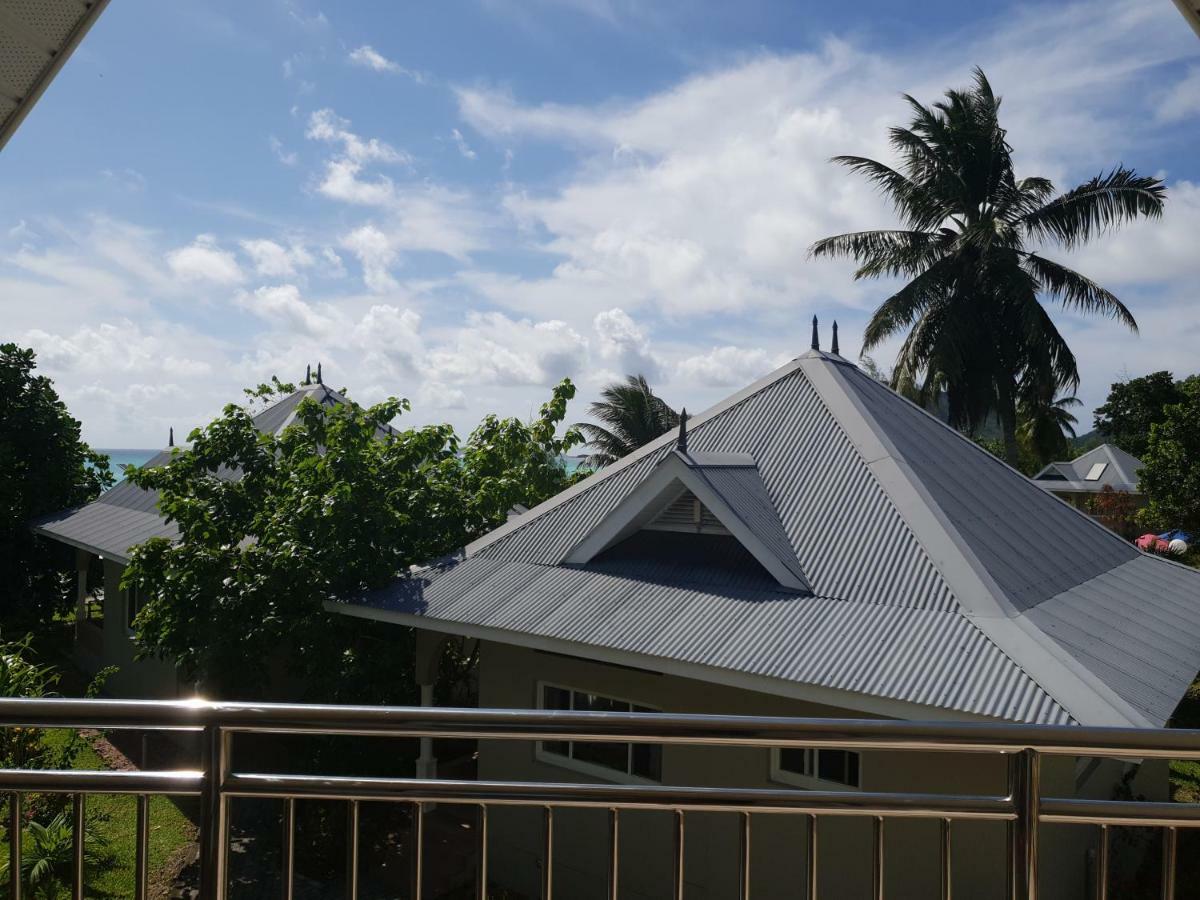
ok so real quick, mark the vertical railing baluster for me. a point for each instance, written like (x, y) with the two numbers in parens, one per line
(812, 857)
(679, 848)
(418, 850)
(877, 858)
(483, 851)
(947, 869)
(548, 855)
(214, 813)
(1025, 788)
(614, 852)
(1102, 865)
(142, 851)
(14, 846)
(288, 854)
(744, 856)
(352, 850)
(1170, 852)
(77, 848)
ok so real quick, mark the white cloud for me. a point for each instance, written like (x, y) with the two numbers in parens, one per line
(461, 143)
(494, 349)
(727, 367)
(376, 255)
(325, 125)
(283, 306)
(288, 158)
(204, 260)
(1182, 101)
(370, 58)
(273, 260)
(623, 344)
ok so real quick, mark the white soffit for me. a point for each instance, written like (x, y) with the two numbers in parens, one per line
(36, 39)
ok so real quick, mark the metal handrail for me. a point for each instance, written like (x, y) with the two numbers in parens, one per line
(216, 783)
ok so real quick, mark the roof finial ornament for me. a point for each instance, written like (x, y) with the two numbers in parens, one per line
(834, 348)
(308, 374)
(681, 444)
(171, 437)
(319, 381)
(816, 341)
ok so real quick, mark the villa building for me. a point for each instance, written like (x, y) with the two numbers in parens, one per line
(815, 545)
(1079, 480)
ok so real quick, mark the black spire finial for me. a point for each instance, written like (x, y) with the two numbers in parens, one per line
(816, 341)
(171, 437)
(681, 444)
(834, 348)
(319, 381)
(308, 374)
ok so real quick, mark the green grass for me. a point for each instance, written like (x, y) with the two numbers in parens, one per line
(170, 829)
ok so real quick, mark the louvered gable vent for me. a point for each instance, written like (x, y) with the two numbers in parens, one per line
(687, 514)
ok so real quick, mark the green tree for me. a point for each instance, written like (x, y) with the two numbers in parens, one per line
(972, 311)
(1170, 476)
(1134, 406)
(1045, 421)
(337, 504)
(46, 467)
(631, 415)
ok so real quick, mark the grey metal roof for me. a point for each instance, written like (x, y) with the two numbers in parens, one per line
(126, 515)
(1121, 472)
(941, 577)
(36, 39)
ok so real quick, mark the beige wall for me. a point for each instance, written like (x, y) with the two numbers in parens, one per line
(113, 645)
(508, 678)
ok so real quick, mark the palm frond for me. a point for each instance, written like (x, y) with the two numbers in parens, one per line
(1077, 291)
(1107, 200)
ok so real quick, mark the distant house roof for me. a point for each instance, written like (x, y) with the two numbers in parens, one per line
(37, 37)
(1104, 466)
(126, 515)
(929, 578)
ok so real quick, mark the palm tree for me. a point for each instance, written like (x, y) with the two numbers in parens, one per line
(1046, 420)
(973, 310)
(632, 415)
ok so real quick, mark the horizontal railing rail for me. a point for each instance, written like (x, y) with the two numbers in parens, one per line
(1022, 807)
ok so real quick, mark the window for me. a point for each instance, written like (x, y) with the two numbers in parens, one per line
(1095, 472)
(93, 607)
(133, 606)
(638, 760)
(834, 766)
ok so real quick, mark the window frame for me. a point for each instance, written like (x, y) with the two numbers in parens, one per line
(813, 781)
(616, 776)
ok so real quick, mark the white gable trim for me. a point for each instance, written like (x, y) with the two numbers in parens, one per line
(649, 499)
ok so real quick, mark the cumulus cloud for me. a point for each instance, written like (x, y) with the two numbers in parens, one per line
(375, 253)
(727, 366)
(461, 143)
(274, 260)
(1182, 101)
(204, 260)
(623, 344)
(494, 349)
(283, 306)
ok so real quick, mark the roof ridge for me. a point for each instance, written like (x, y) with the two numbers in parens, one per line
(981, 599)
(670, 437)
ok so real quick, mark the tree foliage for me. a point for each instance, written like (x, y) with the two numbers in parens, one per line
(46, 468)
(630, 415)
(336, 504)
(1170, 476)
(972, 307)
(1133, 408)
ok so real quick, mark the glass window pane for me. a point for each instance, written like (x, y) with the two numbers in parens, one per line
(611, 756)
(647, 761)
(555, 698)
(852, 769)
(794, 759)
(831, 765)
(596, 703)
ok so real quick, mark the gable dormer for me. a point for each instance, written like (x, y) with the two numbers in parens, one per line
(715, 494)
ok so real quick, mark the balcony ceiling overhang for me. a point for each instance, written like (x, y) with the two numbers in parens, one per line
(36, 39)
(1191, 12)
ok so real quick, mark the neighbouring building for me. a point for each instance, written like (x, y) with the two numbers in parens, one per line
(102, 533)
(1102, 468)
(815, 545)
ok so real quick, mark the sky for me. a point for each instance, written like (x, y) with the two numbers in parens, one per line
(462, 202)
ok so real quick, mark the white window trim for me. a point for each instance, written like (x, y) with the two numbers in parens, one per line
(551, 758)
(811, 782)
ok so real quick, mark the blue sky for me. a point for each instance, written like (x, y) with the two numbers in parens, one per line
(462, 202)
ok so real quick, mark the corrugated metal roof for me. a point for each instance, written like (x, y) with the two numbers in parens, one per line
(126, 515)
(941, 576)
(1120, 471)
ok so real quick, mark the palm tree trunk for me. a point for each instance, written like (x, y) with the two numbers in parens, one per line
(1006, 411)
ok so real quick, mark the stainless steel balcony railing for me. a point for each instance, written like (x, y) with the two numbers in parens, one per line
(1023, 808)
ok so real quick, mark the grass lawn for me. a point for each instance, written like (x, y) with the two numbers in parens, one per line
(170, 831)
